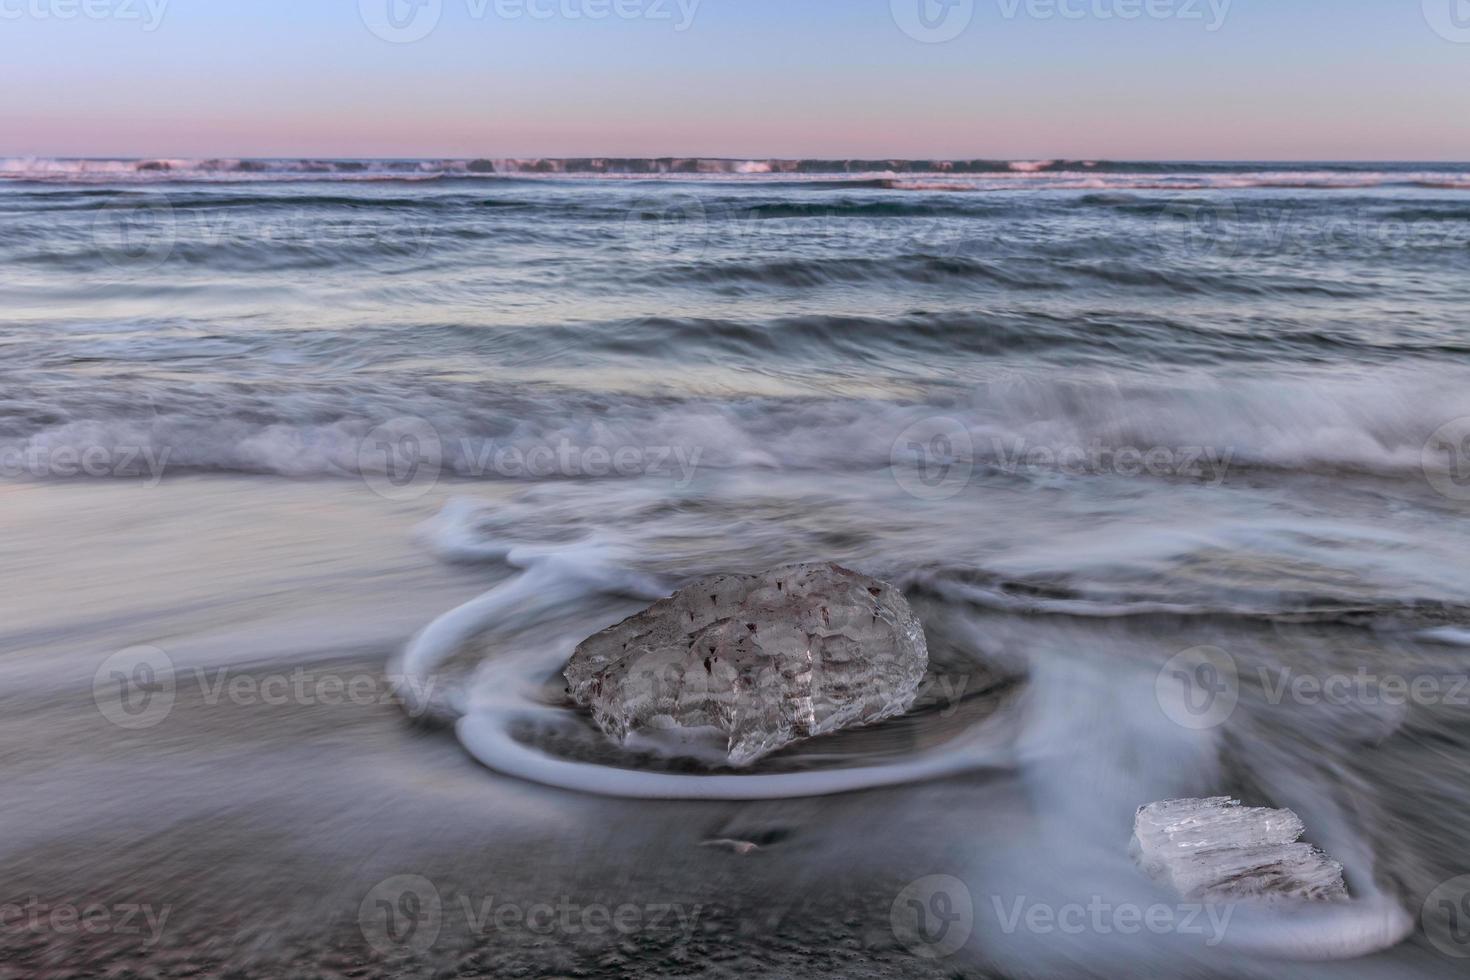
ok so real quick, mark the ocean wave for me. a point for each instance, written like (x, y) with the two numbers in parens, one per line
(808, 273)
(1381, 426)
(910, 174)
(1058, 270)
(799, 346)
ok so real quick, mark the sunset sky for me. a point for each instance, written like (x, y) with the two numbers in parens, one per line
(1274, 79)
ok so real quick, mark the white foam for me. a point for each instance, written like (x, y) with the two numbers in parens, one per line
(1322, 932)
(1448, 635)
(1379, 424)
(504, 691)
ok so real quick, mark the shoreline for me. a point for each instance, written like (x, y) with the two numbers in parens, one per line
(257, 833)
(260, 825)
(252, 822)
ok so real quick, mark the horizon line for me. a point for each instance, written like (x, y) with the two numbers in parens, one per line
(909, 158)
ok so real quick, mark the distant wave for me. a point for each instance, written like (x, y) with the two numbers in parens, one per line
(898, 174)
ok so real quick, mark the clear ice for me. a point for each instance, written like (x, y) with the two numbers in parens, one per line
(755, 662)
(1217, 850)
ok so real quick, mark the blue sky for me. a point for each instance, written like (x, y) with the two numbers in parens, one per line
(1157, 79)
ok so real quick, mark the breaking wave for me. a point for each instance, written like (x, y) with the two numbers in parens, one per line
(902, 174)
(1381, 426)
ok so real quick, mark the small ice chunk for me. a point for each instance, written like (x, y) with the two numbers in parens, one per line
(1217, 850)
(741, 847)
(759, 660)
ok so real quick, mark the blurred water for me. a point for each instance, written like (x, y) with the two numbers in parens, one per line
(1091, 418)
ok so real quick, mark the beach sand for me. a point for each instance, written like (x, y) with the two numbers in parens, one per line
(242, 833)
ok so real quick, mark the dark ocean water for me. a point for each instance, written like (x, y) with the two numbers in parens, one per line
(1308, 318)
(1093, 416)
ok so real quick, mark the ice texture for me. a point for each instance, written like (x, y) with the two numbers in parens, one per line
(755, 662)
(1217, 850)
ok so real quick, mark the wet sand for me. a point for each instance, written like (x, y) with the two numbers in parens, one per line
(242, 833)
(276, 815)
(262, 830)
